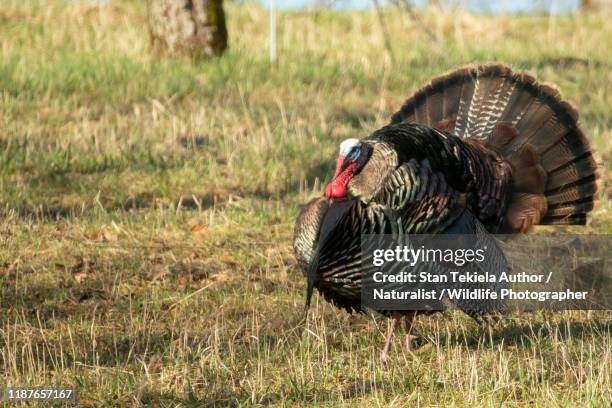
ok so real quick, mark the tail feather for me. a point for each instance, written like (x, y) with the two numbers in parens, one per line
(567, 150)
(502, 135)
(434, 108)
(573, 219)
(528, 123)
(572, 193)
(501, 98)
(451, 100)
(566, 209)
(421, 114)
(462, 115)
(581, 169)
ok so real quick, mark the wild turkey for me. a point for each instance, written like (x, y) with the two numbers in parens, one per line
(481, 147)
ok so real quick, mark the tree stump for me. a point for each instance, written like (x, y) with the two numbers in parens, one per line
(596, 5)
(190, 27)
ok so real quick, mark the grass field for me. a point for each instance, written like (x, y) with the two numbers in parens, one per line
(148, 206)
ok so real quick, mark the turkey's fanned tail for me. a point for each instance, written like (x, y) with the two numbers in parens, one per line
(555, 170)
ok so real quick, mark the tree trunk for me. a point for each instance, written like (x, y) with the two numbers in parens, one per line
(192, 27)
(596, 5)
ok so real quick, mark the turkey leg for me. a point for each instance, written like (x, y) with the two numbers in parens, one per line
(409, 338)
(390, 336)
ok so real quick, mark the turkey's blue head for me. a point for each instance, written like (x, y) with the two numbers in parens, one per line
(353, 156)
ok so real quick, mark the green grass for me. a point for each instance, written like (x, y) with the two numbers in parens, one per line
(148, 206)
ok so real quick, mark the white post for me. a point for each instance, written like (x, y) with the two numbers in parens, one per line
(272, 31)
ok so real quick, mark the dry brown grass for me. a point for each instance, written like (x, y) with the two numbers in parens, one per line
(148, 207)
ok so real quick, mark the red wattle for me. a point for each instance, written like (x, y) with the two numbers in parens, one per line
(338, 187)
(335, 190)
